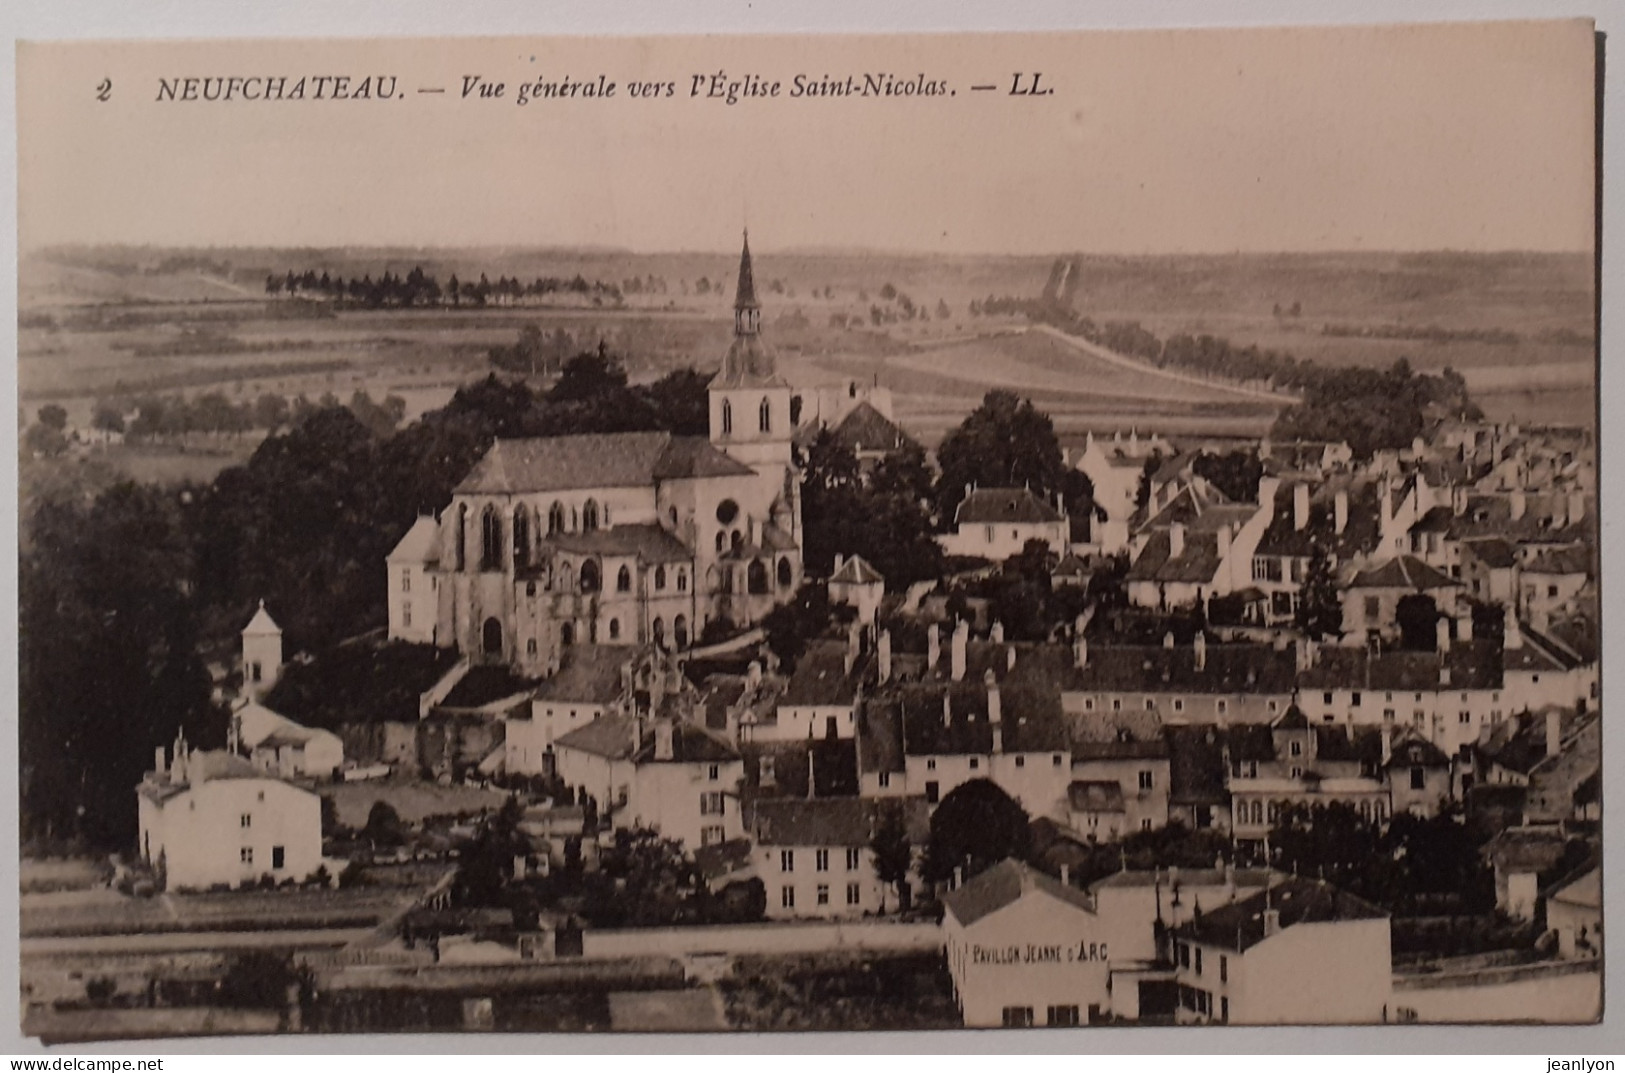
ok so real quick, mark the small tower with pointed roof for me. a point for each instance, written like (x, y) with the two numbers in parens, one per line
(750, 402)
(262, 654)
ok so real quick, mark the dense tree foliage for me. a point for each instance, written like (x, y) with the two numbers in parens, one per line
(418, 288)
(885, 518)
(976, 826)
(1320, 609)
(1004, 443)
(1418, 618)
(893, 854)
(1235, 473)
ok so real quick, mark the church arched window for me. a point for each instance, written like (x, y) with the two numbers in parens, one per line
(521, 537)
(736, 540)
(490, 540)
(722, 538)
(659, 633)
(756, 577)
(682, 580)
(589, 517)
(764, 415)
(567, 633)
(727, 417)
(623, 580)
(462, 536)
(660, 578)
(679, 631)
(555, 519)
(614, 629)
(785, 573)
(589, 576)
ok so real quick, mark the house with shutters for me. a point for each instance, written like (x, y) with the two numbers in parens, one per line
(814, 855)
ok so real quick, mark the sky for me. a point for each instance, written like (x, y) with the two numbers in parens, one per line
(1466, 136)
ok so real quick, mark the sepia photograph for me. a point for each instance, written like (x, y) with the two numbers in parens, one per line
(765, 534)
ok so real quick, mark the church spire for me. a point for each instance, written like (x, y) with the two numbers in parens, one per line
(747, 314)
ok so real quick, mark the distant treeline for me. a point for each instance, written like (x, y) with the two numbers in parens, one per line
(1371, 409)
(154, 417)
(1433, 333)
(418, 288)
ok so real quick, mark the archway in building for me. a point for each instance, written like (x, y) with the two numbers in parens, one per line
(589, 576)
(785, 573)
(491, 637)
(756, 577)
(679, 631)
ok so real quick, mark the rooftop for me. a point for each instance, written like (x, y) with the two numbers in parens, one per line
(610, 460)
(1004, 884)
(835, 821)
(1239, 926)
(867, 429)
(1009, 505)
(1402, 572)
(420, 545)
(587, 674)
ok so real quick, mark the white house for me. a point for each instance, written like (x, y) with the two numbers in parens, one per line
(1025, 950)
(1574, 911)
(820, 699)
(814, 857)
(262, 654)
(996, 523)
(414, 583)
(857, 584)
(277, 745)
(592, 681)
(211, 817)
(1299, 952)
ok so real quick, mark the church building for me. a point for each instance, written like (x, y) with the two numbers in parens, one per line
(623, 538)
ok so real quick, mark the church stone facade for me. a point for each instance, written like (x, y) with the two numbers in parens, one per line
(625, 538)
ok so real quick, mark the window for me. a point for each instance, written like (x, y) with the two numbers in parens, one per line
(1224, 706)
(711, 804)
(1373, 608)
(406, 620)
(1224, 1008)
(589, 576)
(1088, 704)
(714, 772)
(787, 895)
(246, 854)
(930, 792)
(1117, 704)
(255, 671)
(530, 647)
(1274, 706)
(1418, 778)
(787, 860)
(1354, 700)
(728, 427)
(660, 578)
(406, 581)
(1326, 698)
(852, 857)
(1145, 780)
(764, 416)
(823, 894)
(710, 836)
(884, 780)
(277, 856)
(246, 819)
(990, 534)
(1224, 970)
(785, 574)
(623, 580)
(854, 894)
(1018, 1017)
(1296, 748)
(821, 861)
(1055, 761)
(1198, 961)
(1062, 1016)
(682, 581)
(1179, 704)
(1465, 717)
(1145, 823)
(1150, 705)
(490, 540)
(1387, 715)
(1184, 955)
(975, 763)
(614, 629)
(756, 578)
(1297, 772)
(931, 764)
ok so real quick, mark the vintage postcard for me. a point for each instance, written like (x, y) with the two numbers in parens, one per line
(809, 533)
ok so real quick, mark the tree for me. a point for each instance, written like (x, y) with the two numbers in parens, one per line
(1417, 616)
(260, 979)
(1004, 443)
(791, 625)
(107, 418)
(1320, 611)
(53, 416)
(485, 863)
(893, 854)
(975, 827)
(384, 826)
(681, 402)
(1331, 842)
(1236, 473)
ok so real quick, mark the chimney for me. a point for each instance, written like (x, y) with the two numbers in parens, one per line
(883, 657)
(1458, 499)
(1010, 658)
(234, 734)
(957, 655)
(947, 710)
(840, 560)
(753, 676)
(1066, 876)
(1519, 503)
(767, 776)
(1168, 639)
(1272, 921)
(1387, 743)
(959, 876)
(996, 634)
(159, 767)
(1577, 508)
(1441, 634)
(933, 646)
(1080, 651)
(1554, 731)
(665, 745)
(1201, 650)
(1340, 510)
(1300, 507)
(1223, 537)
(1176, 540)
(1444, 674)
(812, 774)
(995, 710)
(1464, 627)
(1512, 634)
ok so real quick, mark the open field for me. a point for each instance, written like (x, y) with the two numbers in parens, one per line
(106, 912)
(102, 323)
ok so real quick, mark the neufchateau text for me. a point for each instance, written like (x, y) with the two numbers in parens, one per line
(720, 86)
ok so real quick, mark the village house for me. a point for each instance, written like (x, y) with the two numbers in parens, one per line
(277, 745)
(414, 583)
(592, 681)
(1197, 546)
(856, 584)
(1574, 912)
(1371, 596)
(815, 858)
(1127, 751)
(1026, 950)
(1115, 467)
(1518, 856)
(822, 695)
(996, 523)
(209, 817)
(1340, 517)
(1196, 683)
(1299, 952)
(1550, 578)
(1295, 764)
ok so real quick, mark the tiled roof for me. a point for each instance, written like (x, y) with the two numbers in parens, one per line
(1197, 562)
(880, 741)
(1229, 669)
(821, 678)
(1239, 926)
(647, 542)
(1519, 744)
(608, 736)
(1403, 572)
(1186, 877)
(1413, 751)
(1575, 559)
(691, 744)
(1493, 552)
(1526, 849)
(832, 764)
(1196, 774)
(261, 624)
(1474, 664)
(994, 505)
(834, 821)
(1361, 528)
(856, 571)
(421, 544)
(867, 429)
(588, 674)
(210, 764)
(611, 460)
(1004, 884)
